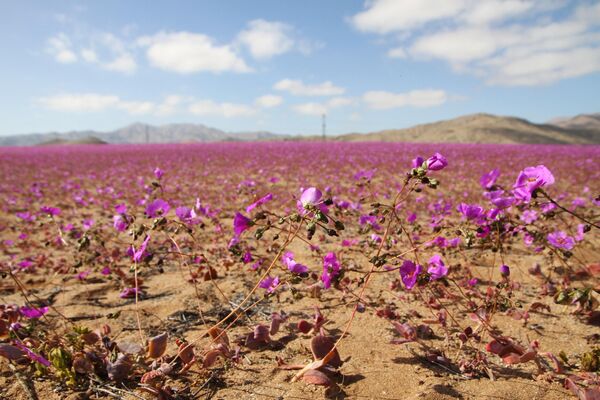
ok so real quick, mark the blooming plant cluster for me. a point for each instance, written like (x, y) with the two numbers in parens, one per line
(168, 271)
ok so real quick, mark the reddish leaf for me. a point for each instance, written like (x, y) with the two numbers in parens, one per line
(315, 377)
(157, 345)
(320, 346)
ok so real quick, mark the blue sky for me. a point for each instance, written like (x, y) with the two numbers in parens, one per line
(278, 65)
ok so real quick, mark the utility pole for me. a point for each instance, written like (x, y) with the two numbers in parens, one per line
(324, 125)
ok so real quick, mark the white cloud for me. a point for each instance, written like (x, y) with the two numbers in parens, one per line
(381, 100)
(268, 101)
(310, 108)
(104, 50)
(79, 102)
(89, 55)
(299, 88)
(61, 49)
(227, 110)
(510, 42)
(397, 52)
(266, 39)
(313, 108)
(123, 63)
(137, 107)
(186, 53)
(385, 16)
(169, 105)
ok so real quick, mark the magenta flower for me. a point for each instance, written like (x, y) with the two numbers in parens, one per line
(259, 202)
(437, 269)
(270, 284)
(241, 223)
(247, 258)
(82, 275)
(52, 211)
(561, 240)
(292, 265)
(436, 162)
(121, 208)
(129, 293)
(331, 269)
(530, 179)
(158, 173)
(417, 162)
(106, 270)
(505, 270)
(31, 355)
(488, 180)
(32, 312)
(409, 272)
(528, 216)
(25, 216)
(470, 211)
(120, 223)
(157, 208)
(140, 254)
(87, 224)
(311, 197)
(187, 215)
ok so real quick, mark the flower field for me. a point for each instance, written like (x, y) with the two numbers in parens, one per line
(300, 270)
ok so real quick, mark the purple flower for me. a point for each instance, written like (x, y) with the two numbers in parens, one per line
(52, 211)
(530, 179)
(488, 180)
(470, 211)
(417, 162)
(31, 355)
(158, 173)
(528, 216)
(129, 293)
(259, 202)
(437, 269)
(292, 265)
(331, 269)
(436, 162)
(505, 271)
(120, 223)
(580, 232)
(140, 254)
(157, 208)
(247, 258)
(121, 208)
(32, 312)
(87, 224)
(241, 223)
(25, 216)
(105, 271)
(187, 215)
(269, 284)
(409, 272)
(310, 197)
(561, 240)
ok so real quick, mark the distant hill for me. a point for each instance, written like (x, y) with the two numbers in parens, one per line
(581, 121)
(483, 128)
(475, 128)
(141, 133)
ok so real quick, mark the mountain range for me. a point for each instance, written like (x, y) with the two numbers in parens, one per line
(474, 128)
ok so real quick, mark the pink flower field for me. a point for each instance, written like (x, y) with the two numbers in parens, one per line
(287, 270)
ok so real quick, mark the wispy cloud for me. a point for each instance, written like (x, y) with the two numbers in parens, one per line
(512, 42)
(299, 88)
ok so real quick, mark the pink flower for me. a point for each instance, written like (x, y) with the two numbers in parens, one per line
(241, 223)
(530, 179)
(129, 293)
(157, 208)
(437, 269)
(409, 272)
(259, 202)
(528, 216)
(331, 269)
(140, 254)
(561, 240)
(470, 211)
(33, 313)
(270, 284)
(436, 162)
(158, 173)
(292, 265)
(488, 180)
